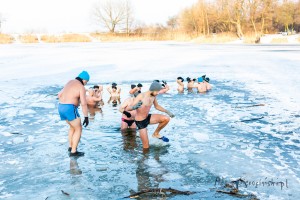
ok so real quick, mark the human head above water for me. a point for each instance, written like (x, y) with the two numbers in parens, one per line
(155, 87)
(180, 78)
(132, 86)
(84, 75)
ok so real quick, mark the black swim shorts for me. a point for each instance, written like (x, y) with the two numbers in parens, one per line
(144, 123)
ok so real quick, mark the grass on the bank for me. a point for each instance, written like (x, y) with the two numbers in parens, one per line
(123, 37)
(50, 39)
(65, 38)
(28, 39)
(6, 39)
(74, 38)
(279, 41)
(216, 38)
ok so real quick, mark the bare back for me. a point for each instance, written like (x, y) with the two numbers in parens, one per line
(70, 94)
(126, 104)
(190, 86)
(201, 87)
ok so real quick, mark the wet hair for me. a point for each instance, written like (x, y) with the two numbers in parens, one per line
(114, 84)
(96, 87)
(180, 78)
(188, 79)
(79, 79)
(132, 86)
(207, 79)
(139, 85)
(114, 103)
(194, 79)
(203, 76)
(163, 85)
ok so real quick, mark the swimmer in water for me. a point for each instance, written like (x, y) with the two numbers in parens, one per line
(165, 88)
(69, 98)
(201, 87)
(142, 104)
(128, 116)
(208, 86)
(136, 88)
(180, 88)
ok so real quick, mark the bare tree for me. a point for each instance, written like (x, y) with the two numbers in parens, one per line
(172, 22)
(286, 13)
(114, 14)
(128, 17)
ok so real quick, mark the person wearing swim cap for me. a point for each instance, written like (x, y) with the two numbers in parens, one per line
(93, 103)
(69, 98)
(98, 89)
(93, 99)
(190, 84)
(114, 85)
(114, 96)
(180, 88)
(206, 82)
(165, 88)
(136, 89)
(201, 86)
(142, 104)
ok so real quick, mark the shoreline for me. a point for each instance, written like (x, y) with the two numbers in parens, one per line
(103, 38)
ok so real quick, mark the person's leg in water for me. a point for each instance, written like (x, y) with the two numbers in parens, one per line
(133, 126)
(128, 124)
(70, 135)
(75, 137)
(124, 126)
(144, 137)
(161, 120)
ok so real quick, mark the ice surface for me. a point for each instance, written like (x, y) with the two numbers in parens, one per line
(215, 135)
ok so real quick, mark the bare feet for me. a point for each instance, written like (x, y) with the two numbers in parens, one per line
(156, 135)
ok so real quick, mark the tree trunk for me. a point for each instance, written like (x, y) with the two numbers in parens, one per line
(239, 29)
(207, 24)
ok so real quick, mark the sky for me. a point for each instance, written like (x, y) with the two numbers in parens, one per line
(60, 16)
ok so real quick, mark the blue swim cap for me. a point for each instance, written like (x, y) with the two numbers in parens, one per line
(200, 79)
(84, 75)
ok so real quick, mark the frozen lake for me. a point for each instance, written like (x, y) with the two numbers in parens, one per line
(216, 136)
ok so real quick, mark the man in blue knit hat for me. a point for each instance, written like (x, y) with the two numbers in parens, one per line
(142, 104)
(69, 98)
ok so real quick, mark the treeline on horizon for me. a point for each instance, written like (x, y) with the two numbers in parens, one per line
(240, 17)
(205, 18)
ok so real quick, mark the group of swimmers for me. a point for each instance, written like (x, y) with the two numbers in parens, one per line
(201, 83)
(135, 109)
